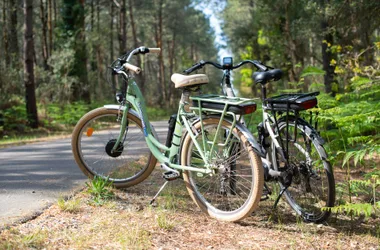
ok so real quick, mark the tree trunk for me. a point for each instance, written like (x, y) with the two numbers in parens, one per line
(327, 41)
(45, 54)
(255, 54)
(159, 31)
(13, 40)
(111, 31)
(326, 58)
(50, 26)
(55, 12)
(98, 15)
(123, 28)
(140, 77)
(293, 72)
(92, 15)
(5, 35)
(30, 97)
(74, 25)
(171, 50)
(81, 54)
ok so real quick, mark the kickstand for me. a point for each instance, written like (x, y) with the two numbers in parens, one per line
(279, 196)
(158, 193)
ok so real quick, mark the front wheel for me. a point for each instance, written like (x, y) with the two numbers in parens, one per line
(233, 190)
(93, 140)
(312, 186)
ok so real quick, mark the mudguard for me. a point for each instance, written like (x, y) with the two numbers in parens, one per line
(309, 130)
(255, 145)
(133, 112)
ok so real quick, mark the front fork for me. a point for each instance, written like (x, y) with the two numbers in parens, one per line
(123, 115)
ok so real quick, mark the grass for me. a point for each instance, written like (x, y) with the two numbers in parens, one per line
(164, 222)
(118, 227)
(14, 239)
(32, 136)
(136, 238)
(100, 190)
(71, 206)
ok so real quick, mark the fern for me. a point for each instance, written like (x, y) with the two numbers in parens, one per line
(358, 155)
(356, 209)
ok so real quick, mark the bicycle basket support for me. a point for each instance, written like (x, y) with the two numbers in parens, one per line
(290, 105)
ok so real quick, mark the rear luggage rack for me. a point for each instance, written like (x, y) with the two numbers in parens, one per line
(236, 105)
(295, 102)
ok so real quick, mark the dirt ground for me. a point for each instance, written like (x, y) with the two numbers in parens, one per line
(174, 222)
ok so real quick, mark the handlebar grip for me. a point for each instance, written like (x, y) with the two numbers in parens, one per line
(155, 50)
(134, 68)
(192, 68)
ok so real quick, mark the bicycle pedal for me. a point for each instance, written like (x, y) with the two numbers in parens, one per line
(170, 175)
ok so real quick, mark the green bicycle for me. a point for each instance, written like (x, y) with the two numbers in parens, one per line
(218, 157)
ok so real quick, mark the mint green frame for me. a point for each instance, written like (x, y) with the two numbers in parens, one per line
(136, 101)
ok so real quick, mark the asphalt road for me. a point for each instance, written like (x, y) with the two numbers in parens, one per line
(34, 176)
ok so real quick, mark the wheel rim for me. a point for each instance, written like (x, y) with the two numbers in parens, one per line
(95, 143)
(231, 184)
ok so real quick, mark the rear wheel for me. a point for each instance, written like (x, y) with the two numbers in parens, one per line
(93, 139)
(234, 190)
(312, 186)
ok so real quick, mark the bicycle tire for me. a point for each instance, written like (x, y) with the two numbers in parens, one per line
(93, 138)
(313, 185)
(229, 199)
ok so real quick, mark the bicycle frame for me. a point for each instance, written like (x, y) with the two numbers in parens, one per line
(268, 119)
(135, 101)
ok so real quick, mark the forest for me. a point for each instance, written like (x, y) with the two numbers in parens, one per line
(54, 57)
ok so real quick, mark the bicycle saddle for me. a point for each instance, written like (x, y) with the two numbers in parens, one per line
(182, 81)
(267, 76)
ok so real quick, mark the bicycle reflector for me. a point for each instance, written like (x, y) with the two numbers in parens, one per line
(309, 104)
(248, 109)
(89, 132)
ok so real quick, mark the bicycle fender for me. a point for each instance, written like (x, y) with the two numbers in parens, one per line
(255, 145)
(309, 130)
(133, 112)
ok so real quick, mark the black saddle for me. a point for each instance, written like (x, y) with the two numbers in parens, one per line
(267, 76)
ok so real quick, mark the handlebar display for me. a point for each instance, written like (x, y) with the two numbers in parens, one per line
(227, 62)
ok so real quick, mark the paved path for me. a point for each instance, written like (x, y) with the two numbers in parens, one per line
(34, 176)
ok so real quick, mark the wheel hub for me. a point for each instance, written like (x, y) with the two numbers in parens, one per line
(115, 153)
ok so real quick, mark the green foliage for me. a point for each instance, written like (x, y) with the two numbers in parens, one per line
(158, 114)
(312, 71)
(54, 117)
(358, 155)
(356, 209)
(100, 190)
(66, 114)
(15, 117)
(369, 187)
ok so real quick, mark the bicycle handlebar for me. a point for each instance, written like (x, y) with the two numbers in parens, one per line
(143, 50)
(124, 59)
(202, 63)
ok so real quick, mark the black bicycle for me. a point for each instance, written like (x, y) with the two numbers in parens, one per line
(295, 156)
